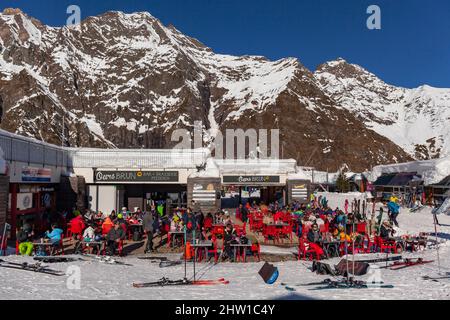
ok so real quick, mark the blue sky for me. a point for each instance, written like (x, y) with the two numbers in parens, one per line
(411, 49)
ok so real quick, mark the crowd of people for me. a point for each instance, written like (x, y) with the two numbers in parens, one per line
(314, 221)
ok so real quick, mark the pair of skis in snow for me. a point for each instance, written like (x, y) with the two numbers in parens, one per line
(340, 284)
(409, 262)
(164, 282)
(34, 267)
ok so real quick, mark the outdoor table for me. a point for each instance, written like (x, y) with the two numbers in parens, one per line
(326, 245)
(237, 246)
(91, 244)
(174, 234)
(203, 244)
(277, 224)
(46, 246)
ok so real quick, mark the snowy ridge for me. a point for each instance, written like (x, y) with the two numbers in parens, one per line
(417, 119)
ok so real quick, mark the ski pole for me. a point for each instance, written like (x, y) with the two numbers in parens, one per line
(437, 244)
(185, 251)
(195, 251)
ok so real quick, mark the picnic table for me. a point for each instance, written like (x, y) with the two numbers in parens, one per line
(241, 247)
(202, 244)
(174, 234)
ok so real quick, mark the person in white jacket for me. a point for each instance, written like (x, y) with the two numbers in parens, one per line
(89, 233)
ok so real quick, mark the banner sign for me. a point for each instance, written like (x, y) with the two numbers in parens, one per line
(136, 176)
(251, 179)
(32, 174)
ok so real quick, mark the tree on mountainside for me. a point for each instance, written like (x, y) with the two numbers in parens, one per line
(342, 183)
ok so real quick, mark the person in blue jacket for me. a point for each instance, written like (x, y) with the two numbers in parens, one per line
(54, 236)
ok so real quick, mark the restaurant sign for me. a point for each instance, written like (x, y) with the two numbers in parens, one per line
(135, 176)
(251, 179)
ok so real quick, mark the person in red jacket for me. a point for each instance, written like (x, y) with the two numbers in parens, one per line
(106, 226)
(77, 226)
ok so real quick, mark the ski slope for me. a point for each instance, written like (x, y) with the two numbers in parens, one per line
(105, 281)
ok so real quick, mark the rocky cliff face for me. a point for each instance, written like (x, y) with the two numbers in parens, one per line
(126, 80)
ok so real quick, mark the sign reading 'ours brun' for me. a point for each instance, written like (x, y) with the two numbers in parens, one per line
(138, 176)
(251, 179)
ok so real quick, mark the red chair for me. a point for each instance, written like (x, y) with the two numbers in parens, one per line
(304, 250)
(208, 223)
(270, 231)
(256, 251)
(384, 245)
(218, 230)
(214, 250)
(240, 230)
(69, 230)
(286, 232)
(361, 228)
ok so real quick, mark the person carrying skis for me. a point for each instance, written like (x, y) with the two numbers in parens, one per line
(24, 237)
(147, 225)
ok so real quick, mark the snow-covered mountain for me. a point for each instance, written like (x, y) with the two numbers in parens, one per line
(126, 80)
(417, 119)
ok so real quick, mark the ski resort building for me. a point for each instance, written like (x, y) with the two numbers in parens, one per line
(40, 178)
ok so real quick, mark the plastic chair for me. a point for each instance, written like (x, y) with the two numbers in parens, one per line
(304, 250)
(384, 245)
(256, 251)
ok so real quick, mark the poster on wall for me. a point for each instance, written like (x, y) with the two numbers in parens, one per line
(33, 174)
(46, 200)
(24, 201)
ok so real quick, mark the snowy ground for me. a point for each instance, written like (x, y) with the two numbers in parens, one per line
(105, 281)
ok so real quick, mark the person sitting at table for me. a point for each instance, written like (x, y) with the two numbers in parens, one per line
(268, 218)
(341, 235)
(134, 219)
(208, 222)
(227, 219)
(230, 236)
(114, 236)
(55, 237)
(315, 238)
(99, 216)
(24, 237)
(89, 233)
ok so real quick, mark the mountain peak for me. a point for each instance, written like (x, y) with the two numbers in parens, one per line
(12, 11)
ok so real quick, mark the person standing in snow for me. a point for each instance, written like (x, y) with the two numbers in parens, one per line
(147, 224)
